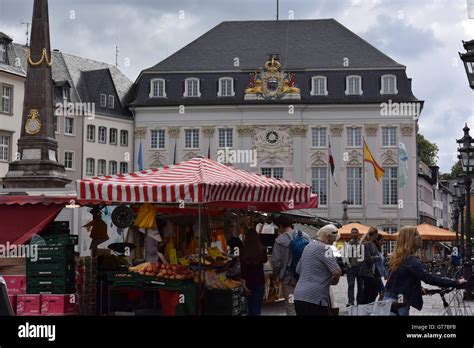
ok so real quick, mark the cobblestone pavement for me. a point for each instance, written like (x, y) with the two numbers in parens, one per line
(433, 305)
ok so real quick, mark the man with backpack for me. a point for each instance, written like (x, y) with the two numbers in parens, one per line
(286, 253)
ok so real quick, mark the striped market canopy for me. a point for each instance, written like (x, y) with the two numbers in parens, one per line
(199, 180)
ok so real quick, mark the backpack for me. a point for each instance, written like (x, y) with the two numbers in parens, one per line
(297, 246)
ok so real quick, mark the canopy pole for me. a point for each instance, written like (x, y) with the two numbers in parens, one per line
(201, 278)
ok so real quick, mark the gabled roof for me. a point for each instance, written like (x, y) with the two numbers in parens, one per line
(301, 44)
(67, 67)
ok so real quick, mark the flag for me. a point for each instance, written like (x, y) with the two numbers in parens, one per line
(403, 164)
(378, 171)
(332, 166)
(140, 158)
(174, 157)
(209, 150)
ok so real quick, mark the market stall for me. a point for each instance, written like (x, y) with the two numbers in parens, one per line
(202, 191)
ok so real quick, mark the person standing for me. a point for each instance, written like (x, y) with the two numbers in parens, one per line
(367, 268)
(380, 267)
(252, 259)
(353, 259)
(282, 260)
(318, 270)
(407, 271)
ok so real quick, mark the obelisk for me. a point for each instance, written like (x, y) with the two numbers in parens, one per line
(37, 165)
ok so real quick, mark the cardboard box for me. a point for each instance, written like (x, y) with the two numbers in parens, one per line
(12, 299)
(12, 266)
(28, 305)
(16, 284)
(58, 304)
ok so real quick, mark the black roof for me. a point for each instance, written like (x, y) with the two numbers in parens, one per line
(301, 44)
(304, 47)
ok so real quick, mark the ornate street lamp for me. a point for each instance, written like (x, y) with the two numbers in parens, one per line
(459, 189)
(345, 217)
(466, 155)
(468, 60)
(455, 218)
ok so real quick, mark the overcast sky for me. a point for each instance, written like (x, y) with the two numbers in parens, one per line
(424, 35)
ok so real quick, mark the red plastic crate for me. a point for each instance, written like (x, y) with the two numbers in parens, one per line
(16, 284)
(27, 305)
(12, 299)
(58, 304)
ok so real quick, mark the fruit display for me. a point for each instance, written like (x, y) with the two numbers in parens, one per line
(163, 271)
(216, 280)
(214, 258)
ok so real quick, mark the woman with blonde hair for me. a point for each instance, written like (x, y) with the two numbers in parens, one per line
(407, 271)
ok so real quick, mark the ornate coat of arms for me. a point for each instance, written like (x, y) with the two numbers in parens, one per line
(272, 83)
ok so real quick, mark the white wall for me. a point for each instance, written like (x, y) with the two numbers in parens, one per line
(12, 123)
(298, 163)
(107, 151)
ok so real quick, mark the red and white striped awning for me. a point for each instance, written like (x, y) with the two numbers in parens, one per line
(199, 180)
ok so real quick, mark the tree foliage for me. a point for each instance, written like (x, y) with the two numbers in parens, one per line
(427, 151)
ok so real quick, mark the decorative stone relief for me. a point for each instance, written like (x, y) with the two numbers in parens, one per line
(189, 155)
(354, 162)
(299, 131)
(174, 132)
(274, 142)
(158, 160)
(246, 131)
(336, 129)
(208, 131)
(319, 158)
(389, 157)
(371, 129)
(407, 129)
(140, 132)
(354, 154)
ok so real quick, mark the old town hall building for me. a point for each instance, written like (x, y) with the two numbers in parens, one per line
(290, 93)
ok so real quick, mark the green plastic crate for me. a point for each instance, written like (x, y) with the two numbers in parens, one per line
(58, 269)
(61, 239)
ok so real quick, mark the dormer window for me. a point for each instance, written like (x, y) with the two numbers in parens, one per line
(103, 100)
(389, 84)
(157, 88)
(226, 87)
(65, 93)
(3, 52)
(319, 85)
(354, 85)
(191, 88)
(111, 101)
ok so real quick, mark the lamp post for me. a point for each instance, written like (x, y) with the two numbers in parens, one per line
(455, 218)
(466, 155)
(468, 60)
(345, 217)
(459, 187)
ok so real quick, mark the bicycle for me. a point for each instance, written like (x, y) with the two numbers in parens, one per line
(454, 305)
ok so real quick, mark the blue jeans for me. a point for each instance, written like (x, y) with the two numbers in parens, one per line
(255, 300)
(403, 311)
(352, 276)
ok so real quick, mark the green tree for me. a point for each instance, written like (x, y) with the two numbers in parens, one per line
(427, 151)
(455, 171)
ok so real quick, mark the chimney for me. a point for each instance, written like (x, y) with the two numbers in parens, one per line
(434, 174)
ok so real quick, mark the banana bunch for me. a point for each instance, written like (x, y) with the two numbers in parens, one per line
(146, 217)
(140, 267)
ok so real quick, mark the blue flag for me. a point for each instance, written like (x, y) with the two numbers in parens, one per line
(140, 158)
(403, 164)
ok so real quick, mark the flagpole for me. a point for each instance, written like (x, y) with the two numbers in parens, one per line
(398, 194)
(364, 217)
